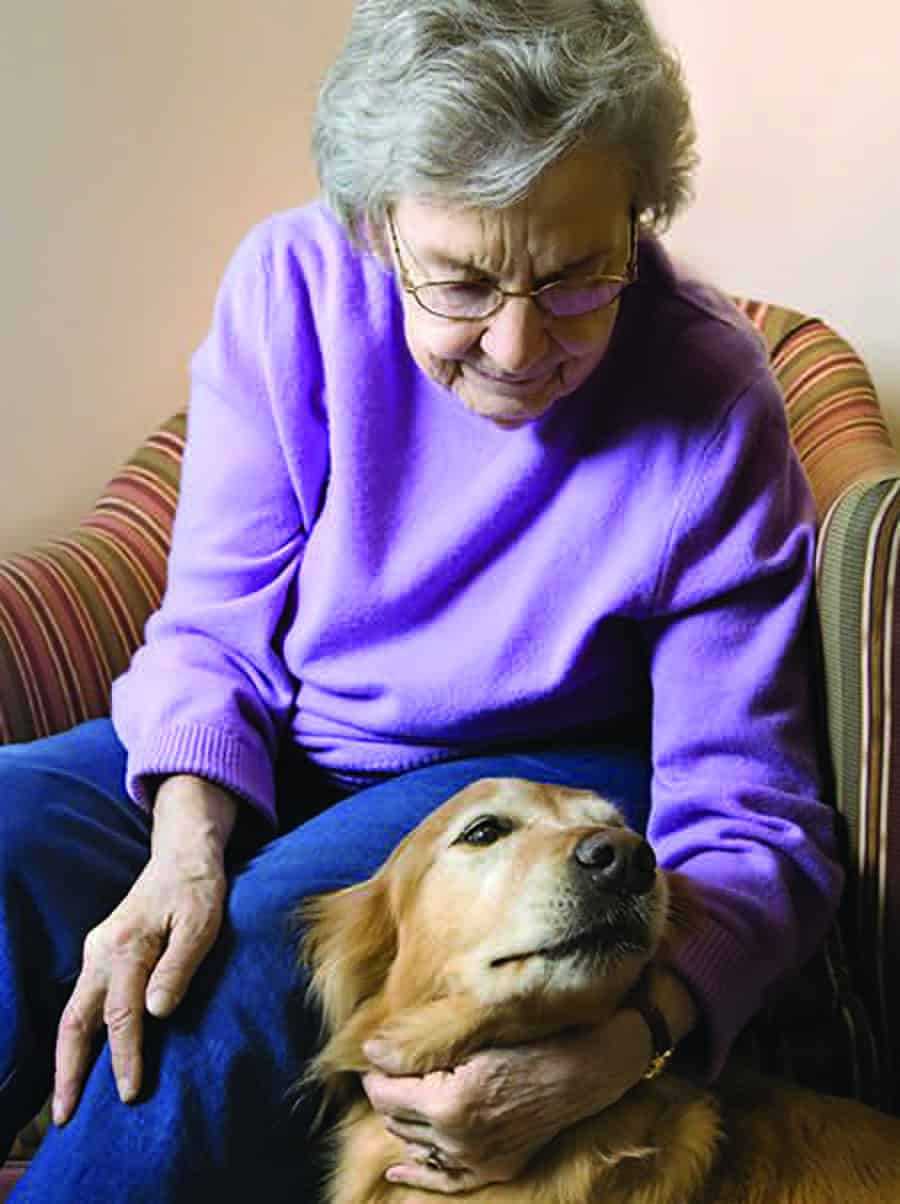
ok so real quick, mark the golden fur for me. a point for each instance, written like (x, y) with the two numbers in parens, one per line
(444, 951)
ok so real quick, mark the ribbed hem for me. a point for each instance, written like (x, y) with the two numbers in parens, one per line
(209, 752)
(716, 970)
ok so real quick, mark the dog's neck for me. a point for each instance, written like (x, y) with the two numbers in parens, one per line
(444, 1030)
(628, 1141)
(640, 1144)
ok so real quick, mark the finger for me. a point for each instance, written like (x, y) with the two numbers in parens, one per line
(385, 1059)
(383, 1056)
(452, 1177)
(415, 1132)
(79, 1026)
(405, 1099)
(123, 1015)
(187, 947)
(414, 1174)
(434, 1157)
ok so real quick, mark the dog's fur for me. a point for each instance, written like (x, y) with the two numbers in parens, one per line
(470, 936)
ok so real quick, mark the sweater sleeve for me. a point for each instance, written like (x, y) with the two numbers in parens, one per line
(208, 693)
(737, 802)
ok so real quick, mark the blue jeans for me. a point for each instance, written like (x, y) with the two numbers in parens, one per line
(214, 1115)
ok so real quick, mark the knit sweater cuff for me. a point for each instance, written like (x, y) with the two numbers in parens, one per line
(715, 968)
(209, 752)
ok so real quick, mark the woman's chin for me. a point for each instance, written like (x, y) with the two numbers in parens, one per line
(505, 417)
(507, 405)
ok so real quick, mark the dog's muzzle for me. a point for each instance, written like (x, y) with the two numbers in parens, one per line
(611, 875)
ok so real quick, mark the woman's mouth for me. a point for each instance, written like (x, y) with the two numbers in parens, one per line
(519, 388)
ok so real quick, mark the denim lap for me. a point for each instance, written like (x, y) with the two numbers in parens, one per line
(217, 1110)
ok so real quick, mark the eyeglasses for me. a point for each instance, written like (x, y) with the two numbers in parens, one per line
(474, 300)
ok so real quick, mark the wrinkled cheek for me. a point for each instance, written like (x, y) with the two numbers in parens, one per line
(438, 349)
(589, 336)
(440, 369)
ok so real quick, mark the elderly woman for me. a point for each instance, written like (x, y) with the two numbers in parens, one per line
(477, 483)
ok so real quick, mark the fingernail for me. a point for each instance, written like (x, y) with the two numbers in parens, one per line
(158, 1002)
(380, 1054)
(127, 1091)
(58, 1113)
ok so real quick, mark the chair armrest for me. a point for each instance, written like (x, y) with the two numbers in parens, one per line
(72, 610)
(837, 426)
(842, 440)
(858, 590)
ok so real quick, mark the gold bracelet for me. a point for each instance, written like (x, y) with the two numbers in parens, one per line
(658, 1064)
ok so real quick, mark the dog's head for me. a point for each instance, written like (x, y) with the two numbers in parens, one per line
(513, 895)
(517, 888)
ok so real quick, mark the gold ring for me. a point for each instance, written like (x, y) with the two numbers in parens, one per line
(434, 1161)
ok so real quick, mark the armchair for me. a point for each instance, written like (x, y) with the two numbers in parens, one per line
(72, 613)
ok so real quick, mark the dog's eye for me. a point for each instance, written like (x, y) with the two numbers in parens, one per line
(485, 831)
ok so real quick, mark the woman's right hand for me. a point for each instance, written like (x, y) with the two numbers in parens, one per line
(146, 952)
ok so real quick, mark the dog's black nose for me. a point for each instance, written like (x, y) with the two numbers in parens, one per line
(617, 860)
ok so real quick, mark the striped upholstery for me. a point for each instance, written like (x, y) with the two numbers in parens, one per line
(72, 612)
(860, 620)
(843, 442)
(837, 426)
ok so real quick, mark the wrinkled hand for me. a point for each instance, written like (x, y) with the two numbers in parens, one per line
(145, 953)
(485, 1119)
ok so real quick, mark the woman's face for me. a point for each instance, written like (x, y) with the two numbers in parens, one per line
(513, 366)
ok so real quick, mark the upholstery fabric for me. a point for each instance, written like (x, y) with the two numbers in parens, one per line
(842, 439)
(72, 612)
(837, 425)
(858, 576)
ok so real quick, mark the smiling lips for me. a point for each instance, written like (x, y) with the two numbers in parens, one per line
(515, 383)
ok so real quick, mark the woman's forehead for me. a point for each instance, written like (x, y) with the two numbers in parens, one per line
(578, 210)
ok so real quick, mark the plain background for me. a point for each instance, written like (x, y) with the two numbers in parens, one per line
(141, 141)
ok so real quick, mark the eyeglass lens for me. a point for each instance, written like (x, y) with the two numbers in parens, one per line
(458, 299)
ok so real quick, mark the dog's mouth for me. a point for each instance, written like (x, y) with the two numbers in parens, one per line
(627, 935)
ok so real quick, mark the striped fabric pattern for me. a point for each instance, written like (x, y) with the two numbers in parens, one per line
(858, 555)
(837, 425)
(842, 439)
(72, 612)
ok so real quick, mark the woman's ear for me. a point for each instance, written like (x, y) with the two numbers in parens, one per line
(349, 944)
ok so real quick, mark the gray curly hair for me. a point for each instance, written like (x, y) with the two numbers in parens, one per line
(470, 100)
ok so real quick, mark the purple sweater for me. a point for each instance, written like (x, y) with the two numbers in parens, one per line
(364, 567)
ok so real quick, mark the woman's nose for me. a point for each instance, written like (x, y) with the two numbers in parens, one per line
(516, 336)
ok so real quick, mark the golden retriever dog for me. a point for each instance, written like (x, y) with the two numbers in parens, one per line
(517, 910)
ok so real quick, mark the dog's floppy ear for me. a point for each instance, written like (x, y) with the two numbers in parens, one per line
(349, 944)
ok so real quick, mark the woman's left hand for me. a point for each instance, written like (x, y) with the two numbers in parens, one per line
(481, 1122)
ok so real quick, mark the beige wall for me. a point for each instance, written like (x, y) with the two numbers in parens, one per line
(141, 141)
(798, 108)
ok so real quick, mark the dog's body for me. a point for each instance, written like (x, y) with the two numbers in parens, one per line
(519, 910)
